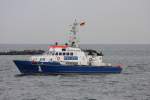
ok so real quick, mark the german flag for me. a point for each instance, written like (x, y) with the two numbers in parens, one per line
(82, 23)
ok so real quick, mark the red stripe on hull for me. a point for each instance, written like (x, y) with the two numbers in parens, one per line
(58, 46)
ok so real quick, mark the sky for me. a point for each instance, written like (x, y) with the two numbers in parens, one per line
(47, 21)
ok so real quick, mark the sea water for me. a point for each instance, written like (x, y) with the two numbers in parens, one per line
(132, 84)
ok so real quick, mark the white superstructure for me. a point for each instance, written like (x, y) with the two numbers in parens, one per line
(71, 54)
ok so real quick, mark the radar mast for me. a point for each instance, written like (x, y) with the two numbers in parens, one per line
(73, 34)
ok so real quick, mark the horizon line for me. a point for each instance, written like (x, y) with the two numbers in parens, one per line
(79, 44)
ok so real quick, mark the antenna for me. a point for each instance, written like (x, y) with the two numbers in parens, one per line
(73, 34)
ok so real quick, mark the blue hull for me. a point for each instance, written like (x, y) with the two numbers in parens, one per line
(28, 67)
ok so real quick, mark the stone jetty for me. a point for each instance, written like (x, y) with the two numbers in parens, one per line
(24, 52)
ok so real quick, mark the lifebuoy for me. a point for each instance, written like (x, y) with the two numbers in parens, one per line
(58, 58)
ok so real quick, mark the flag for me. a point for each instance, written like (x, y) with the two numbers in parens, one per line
(82, 23)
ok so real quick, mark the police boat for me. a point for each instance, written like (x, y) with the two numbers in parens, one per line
(67, 59)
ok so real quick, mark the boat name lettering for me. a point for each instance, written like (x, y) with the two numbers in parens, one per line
(70, 58)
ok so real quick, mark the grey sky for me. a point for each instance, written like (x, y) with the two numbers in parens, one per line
(47, 21)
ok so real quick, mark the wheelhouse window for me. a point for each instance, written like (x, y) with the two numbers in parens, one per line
(60, 53)
(71, 53)
(63, 49)
(56, 53)
(67, 53)
(64, 53)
